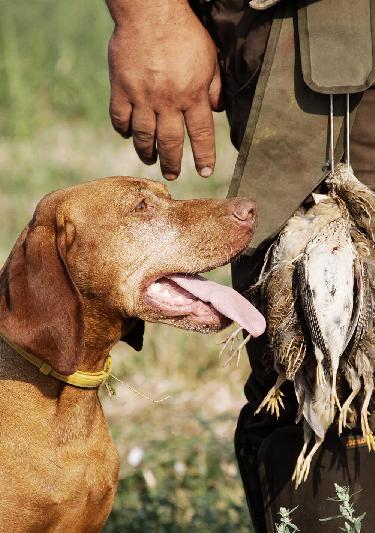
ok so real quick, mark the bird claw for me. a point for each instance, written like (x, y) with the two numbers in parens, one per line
(334, 402)
(233, 351)
(229, 341)
(370, 441)
(273, 402)
(303, 464)
(298, 466)
(366, 431)
(302, 469)
(343, 417)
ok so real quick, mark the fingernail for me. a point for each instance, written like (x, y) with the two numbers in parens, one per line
(206, 172)
(170, 176)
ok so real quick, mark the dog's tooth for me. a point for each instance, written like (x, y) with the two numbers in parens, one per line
(153, 289)
(156, 287)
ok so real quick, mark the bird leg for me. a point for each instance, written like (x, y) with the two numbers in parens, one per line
(320, 377)
(366, 430)
(229, 345)
(273, 399)
(354, 382)
(307, 435)
(334, 397)
(300, 462)
(237, 351)
(346, 407)
(303, 463)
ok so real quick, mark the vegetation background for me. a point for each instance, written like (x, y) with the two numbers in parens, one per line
(178, 471)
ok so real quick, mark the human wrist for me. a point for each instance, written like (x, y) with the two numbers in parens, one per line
(135, 12)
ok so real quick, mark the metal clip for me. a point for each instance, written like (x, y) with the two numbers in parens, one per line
(347, 130)
(331, 132)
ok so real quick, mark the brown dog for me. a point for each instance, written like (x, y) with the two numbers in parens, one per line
(89, 268)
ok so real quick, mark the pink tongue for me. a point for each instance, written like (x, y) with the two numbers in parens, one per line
(225, 300)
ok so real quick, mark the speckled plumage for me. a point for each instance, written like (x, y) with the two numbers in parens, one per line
(277, 288)
(317, 289)
(326, 288)
(302, 227)
(284, 330)
(358, 198)
(358, 365)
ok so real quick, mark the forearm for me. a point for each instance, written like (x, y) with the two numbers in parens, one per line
(146, 11)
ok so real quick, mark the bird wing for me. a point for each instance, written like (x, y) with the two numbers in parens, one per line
(326, 280)
(362, 308)
(307, 300)
(306, 405)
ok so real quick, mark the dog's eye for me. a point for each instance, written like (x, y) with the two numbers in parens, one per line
(141, 206)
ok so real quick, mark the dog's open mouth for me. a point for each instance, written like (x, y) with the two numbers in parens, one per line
(207, 302)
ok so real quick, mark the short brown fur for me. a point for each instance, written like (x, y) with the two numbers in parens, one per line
(72, 287)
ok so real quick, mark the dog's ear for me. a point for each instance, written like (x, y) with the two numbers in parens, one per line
(134, 335)
(41, 309)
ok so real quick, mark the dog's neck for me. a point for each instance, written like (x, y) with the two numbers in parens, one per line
(102, 331)
(45, 403)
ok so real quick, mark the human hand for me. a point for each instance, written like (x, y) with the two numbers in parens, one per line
(164, 74)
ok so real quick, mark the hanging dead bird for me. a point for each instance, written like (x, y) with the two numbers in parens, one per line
(359, 199)
(359, 372)
(315, 405)
(326, 287)
(284, 329)
(284, 332)
(358, 365)
(315, 252)
(366, 251)
(364, 367)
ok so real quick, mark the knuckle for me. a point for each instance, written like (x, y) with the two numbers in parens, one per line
(143, 136)
(201, 133)
(168, 142)
(120, 121)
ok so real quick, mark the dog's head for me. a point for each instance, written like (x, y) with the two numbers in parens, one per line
(95, 260)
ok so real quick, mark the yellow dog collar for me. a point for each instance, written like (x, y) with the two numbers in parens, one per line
(88, 380)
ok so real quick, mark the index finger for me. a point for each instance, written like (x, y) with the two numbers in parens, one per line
(200, 127)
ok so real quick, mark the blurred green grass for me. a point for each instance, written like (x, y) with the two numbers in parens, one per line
(54, 132)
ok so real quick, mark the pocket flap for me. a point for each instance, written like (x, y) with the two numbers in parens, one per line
(337, 44)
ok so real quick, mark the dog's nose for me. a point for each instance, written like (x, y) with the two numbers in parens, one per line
(244, 211)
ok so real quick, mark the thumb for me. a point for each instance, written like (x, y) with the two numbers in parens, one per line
(215, 96)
